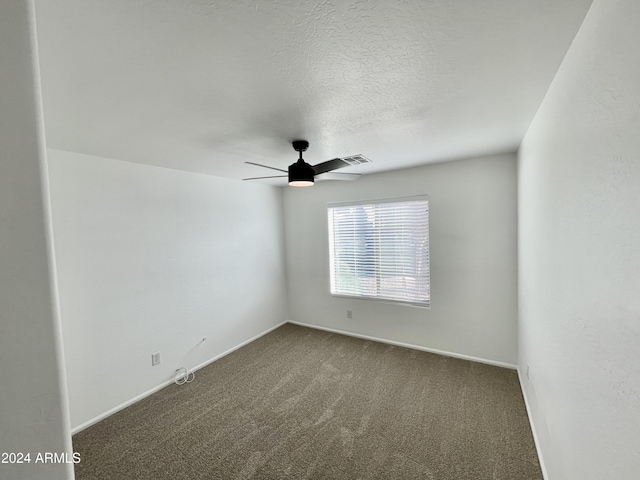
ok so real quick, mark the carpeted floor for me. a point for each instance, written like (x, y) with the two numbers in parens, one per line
(305, 404)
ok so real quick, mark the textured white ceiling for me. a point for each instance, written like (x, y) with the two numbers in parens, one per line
(204, 86)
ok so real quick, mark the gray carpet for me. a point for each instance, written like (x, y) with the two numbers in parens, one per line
(305, 404)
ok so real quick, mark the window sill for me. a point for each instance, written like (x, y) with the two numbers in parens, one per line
(426, 306)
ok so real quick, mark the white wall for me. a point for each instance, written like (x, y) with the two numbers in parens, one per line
(579, 249)
(152, 259)
(33, 405)
(473, 258)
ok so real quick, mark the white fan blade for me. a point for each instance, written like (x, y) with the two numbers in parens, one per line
(349, 177)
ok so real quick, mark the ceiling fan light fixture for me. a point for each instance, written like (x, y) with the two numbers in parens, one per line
(301, 183)
(301, 174)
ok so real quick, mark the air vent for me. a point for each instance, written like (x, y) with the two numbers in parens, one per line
(355, 159)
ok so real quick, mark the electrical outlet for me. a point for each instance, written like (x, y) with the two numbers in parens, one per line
(155, 359)
(349, 313)
(527, 373)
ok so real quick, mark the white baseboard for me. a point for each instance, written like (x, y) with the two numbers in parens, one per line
(533, 428)
(408, 345)
(153, 390)
(117, 408)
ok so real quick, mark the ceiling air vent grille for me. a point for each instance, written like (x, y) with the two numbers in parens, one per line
(355, 159)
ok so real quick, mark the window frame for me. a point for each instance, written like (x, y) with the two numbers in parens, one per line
(331, 241)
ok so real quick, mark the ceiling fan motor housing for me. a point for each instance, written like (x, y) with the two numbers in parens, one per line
(301, 174)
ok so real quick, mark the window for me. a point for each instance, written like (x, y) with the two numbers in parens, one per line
(380, 250)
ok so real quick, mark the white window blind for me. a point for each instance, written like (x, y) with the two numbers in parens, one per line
(380, 250)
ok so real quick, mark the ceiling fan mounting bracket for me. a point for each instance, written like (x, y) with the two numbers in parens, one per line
(300, 145)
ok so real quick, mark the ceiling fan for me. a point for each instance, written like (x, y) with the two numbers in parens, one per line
(301, 174)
